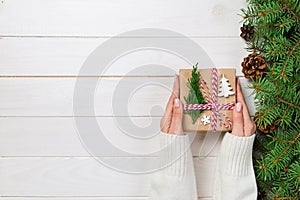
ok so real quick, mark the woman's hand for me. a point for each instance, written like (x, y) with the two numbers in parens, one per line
(172, 120)
(243, 125)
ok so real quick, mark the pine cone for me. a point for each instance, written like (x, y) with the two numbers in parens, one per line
(268, 129)
(261, 195)
(247, 32)
(254, 66)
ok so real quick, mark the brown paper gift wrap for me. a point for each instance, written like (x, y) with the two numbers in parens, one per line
(184, 75)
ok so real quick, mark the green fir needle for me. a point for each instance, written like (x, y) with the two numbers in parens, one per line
(195, 95)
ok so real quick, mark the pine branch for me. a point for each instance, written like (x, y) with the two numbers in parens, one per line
(289, 103)
(277, 38)
(281, 140)
(288, 147)
(271, 108)
(263, 13)
(286, 198)
(287, 59)
(267, 164)
(195, 95)
(274, 79)
(286, 7)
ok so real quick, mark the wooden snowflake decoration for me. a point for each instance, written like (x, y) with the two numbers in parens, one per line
(205, 120)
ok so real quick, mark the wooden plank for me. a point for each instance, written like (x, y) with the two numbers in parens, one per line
(112, 97)
(54, 96)
(76, 198)
(85, 177)
(27, 136)
(82, 198)
(65, 57)
(107, 18)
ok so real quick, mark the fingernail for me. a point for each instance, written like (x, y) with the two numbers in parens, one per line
(176, 102)
(238, 107)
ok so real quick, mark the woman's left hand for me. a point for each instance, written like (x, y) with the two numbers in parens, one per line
(243, 125)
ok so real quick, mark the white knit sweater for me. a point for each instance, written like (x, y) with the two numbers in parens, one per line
(235, 178)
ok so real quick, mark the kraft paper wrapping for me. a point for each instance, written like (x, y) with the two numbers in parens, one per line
(184, 75)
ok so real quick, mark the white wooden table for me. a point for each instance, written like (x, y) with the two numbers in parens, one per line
(43, 44)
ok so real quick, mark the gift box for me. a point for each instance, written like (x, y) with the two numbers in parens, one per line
(208, 96)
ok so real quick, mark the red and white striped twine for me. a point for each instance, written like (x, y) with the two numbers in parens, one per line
(209, 106)
(214, 73)
(204, 90)
(212, 103)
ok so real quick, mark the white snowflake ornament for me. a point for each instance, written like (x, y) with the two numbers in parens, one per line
(225, 89)
(205, 120)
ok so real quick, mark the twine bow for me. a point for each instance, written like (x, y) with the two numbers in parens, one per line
(212, 104)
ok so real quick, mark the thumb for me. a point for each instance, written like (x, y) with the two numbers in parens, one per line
(238, 120)
(176, 124)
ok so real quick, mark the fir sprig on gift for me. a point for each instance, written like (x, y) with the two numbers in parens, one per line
(195, 95)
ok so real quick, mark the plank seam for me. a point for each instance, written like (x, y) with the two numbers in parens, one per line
(112, 36)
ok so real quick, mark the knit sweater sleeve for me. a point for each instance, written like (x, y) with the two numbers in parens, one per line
(175, 179)
(235, 179)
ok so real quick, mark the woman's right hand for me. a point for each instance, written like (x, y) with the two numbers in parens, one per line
(171, 122)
